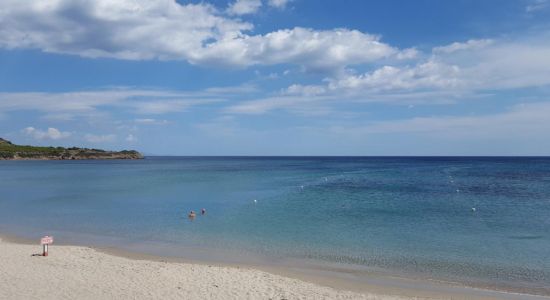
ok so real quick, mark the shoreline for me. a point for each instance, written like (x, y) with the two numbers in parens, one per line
(338, 281)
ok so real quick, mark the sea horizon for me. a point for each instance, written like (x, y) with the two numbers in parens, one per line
(353, 156)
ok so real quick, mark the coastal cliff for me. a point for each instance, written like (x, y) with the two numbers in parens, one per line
(9, 151)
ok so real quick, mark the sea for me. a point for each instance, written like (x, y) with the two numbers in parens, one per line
(473, 220)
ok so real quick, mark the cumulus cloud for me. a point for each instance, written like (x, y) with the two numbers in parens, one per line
(51, 133)
(118, 29)
(97, 139)
(458, 70)
(408, 53)
(313, 49)
(244, 7)
(196, 33)
(431, 74)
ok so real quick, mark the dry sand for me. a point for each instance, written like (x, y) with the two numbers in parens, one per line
(72, 272)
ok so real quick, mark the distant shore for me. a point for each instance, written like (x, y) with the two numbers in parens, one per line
(10, 151)
(88, 273)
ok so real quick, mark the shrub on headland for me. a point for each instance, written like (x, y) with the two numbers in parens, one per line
(12, 151)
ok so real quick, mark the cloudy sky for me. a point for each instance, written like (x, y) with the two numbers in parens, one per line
(278, 77)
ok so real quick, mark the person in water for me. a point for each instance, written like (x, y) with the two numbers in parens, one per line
(203, 211)
(191, 215)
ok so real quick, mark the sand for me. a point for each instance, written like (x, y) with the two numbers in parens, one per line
(73, 272)
(77, 272)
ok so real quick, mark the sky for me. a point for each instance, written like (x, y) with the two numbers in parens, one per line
(278, 77)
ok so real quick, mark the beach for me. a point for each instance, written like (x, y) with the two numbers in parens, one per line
(72, 272)
(77, 272)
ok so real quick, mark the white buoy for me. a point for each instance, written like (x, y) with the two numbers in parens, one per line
(255, 201)
(473, 209)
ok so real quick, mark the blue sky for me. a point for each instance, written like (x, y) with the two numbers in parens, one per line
(278, 77)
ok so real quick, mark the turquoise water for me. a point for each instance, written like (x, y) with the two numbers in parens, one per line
(405, 215)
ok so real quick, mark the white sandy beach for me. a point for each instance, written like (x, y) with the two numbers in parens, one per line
(76, 272)
(72, 272)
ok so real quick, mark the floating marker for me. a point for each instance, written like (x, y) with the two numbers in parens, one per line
(473, 209)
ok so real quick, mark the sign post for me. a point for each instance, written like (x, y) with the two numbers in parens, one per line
(45, 241)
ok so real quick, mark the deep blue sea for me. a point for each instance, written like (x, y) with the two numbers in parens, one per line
(410, 216)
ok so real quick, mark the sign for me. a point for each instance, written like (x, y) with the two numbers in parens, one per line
(47, 240)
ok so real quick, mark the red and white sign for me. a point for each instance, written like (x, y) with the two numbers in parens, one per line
(47, 240)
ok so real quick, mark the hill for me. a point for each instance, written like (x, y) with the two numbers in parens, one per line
(10, 151)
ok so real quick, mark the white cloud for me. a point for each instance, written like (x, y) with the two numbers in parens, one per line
(408, 53)
(196, 33)
(244, 7)
(131, 138)
(51, 133)
(521, 121)
(67, 105)
(59, 102)
(166, 106)
(312, 49)
(305, 105)
(537, 5)
(239, 89)
(278, 3)
(150, 122)
(431, 74)
(114, 29)
(97, 139)
(468, 45)
(306, 90)
(449, 73)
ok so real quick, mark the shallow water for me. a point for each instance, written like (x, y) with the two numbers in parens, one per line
(406, 215)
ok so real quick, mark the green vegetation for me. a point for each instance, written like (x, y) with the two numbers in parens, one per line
(12, 151)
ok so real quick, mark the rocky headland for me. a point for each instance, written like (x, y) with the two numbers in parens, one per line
(10, 151)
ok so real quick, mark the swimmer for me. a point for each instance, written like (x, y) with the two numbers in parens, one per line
(203, 211)
(191, 215)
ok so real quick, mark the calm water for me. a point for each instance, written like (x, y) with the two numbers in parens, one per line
(405, 215)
